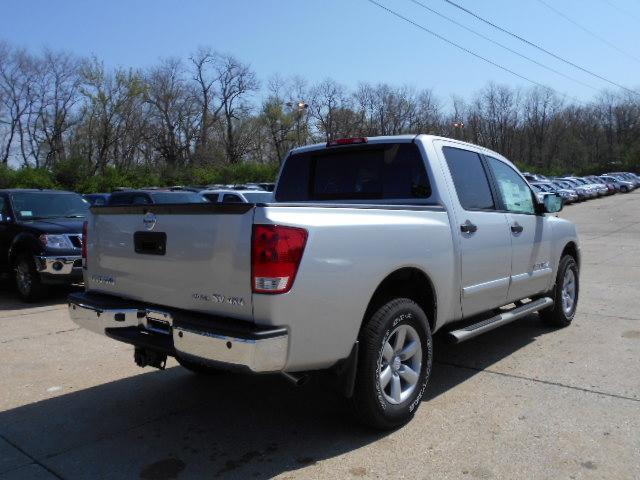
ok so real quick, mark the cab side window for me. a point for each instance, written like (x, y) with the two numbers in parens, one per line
(469, 178)
(515, 192)
(231, 198)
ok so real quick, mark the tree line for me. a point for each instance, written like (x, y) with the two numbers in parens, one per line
(209, 117)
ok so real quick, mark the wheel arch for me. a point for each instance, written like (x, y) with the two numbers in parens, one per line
(22, 244)
(407, 282)
(571, 248)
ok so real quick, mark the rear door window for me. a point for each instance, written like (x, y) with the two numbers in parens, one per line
(371, 172)
(469, 178)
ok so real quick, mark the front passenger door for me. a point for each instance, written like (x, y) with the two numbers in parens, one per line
(530, 233)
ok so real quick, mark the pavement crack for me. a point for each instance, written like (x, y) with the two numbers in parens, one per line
(33, 459)
(25, 314)
(537, 380)
(39, 336)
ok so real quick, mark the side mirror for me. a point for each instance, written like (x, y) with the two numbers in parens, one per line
(553, 203)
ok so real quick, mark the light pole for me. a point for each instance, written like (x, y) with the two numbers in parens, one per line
(457, 126)
(298, 108)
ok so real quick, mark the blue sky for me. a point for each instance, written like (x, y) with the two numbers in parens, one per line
(349, 40)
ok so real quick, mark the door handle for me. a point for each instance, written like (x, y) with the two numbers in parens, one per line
(468, 227)
(517, 228)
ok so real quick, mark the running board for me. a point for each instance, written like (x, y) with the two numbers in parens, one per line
(499, 320)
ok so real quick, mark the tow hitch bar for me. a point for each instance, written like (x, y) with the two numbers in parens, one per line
(152, 358)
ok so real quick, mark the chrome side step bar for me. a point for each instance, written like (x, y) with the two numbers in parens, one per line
(499, 320)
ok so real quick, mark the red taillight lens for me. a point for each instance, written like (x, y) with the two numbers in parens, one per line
(85, 226)
(346, 141)
(276, 255)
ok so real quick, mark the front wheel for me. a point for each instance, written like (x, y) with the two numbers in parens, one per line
(564, 294)
(394, 364)
(27, 279)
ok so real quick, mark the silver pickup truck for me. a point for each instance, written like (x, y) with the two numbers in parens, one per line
(370, 246)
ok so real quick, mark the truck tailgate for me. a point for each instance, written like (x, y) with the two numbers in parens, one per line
(192, 256)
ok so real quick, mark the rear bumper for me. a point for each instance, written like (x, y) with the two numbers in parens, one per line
(210, 339)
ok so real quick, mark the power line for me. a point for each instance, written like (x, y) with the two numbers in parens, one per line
(464, 49)
(590, 32)
(455, 22)
(534, 45)
(621, 10)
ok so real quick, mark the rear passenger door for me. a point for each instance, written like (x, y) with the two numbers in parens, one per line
(530, 233)
(482, 231)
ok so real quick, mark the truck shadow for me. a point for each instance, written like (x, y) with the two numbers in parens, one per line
(174, 424)
(56, 295)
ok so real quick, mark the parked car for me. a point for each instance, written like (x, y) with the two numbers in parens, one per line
(97, 198)
(540, 191)
(627, 176)
(372, 246)
(599, 188)
(566, 186)
(623, 186)
(568, 196)
(237, 196)
(148, 197)
(41, 239)
(589, 191)
(611, 188)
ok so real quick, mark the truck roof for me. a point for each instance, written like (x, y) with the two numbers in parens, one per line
(407, 138)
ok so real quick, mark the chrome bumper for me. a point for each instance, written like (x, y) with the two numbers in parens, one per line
(268, 353)
(63, 265)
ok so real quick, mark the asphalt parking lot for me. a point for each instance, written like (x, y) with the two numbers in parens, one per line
(522, 401)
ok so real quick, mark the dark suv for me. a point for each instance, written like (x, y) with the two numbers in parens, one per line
(41, 239)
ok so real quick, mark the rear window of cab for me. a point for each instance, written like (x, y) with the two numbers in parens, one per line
(393, 171)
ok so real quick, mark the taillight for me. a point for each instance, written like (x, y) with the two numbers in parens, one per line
(85, 226)
(347, 141)
(275, 257)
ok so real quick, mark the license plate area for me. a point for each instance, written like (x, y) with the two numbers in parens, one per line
(150, 243)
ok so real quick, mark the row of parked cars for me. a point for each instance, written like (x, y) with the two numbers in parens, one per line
(576, 189)
(243, 193)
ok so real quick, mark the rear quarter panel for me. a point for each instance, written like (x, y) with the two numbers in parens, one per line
(349, 252)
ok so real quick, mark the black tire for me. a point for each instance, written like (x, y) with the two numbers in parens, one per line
(27, 279)
(557, 316)
(197, 367)
(368, 401)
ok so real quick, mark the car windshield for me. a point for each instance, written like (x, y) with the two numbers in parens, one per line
(178, 197)
(42, 205)
(258, 197)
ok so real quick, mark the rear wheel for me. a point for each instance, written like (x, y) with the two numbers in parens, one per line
(394, 364)
(27, 279)
(564, 294)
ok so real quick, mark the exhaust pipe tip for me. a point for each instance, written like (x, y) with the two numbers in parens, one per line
(297, 380)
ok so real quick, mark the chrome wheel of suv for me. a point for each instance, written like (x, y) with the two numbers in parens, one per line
(24, 281)
(400, 364)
